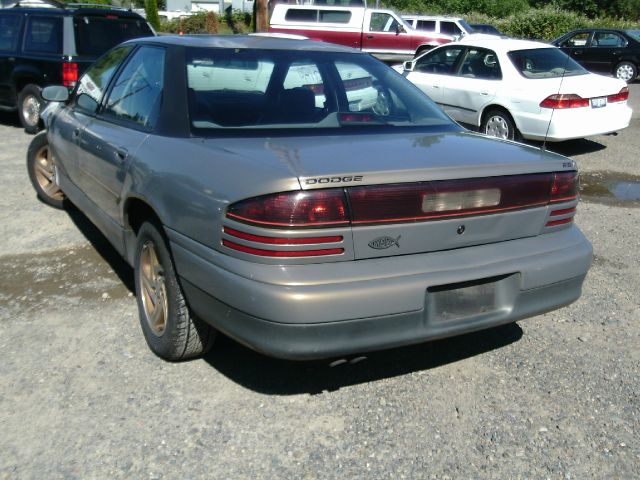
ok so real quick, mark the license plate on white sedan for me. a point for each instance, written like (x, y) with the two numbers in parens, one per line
(598, 102)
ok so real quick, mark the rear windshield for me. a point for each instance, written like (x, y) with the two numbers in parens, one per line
(97, 34)
(545, 63)
(294, 89)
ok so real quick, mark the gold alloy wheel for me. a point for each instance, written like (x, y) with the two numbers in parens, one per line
(45, 174)
(153, 289)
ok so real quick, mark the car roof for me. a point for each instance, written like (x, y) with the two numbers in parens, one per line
(502, 44)
(73, 10)
(262, 42)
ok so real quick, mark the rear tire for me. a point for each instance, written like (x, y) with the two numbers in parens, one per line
(499, 124)
(29, 106)
(626, 71)
(41, 167)
(171, 330)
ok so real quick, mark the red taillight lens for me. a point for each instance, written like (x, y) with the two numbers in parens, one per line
(564, 187)
(281, 240)
(564, 100)
(69, 74)
(313, 208)
(316, 88)
(282, 253)
(621, 96)
(447, 198)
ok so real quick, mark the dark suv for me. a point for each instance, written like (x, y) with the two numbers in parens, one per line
(45, 46)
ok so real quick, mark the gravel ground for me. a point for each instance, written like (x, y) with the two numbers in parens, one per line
(81, 395)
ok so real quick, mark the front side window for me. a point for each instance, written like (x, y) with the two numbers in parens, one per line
(44, 35)
(9, 32)
(383, 22)
(545, 63)
(577, 40)
(286, 90)
(93, 84)
(449, 28)
(442, 61)
(136, 95)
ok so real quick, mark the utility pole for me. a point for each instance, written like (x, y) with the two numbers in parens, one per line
(262, 16)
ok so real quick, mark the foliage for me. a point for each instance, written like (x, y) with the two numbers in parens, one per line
(151, 11)
(240, 22)
(201, 22)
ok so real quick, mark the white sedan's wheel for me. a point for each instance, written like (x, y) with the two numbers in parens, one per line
(498, 123)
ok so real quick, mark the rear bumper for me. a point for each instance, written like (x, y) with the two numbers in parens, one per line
(349, 307)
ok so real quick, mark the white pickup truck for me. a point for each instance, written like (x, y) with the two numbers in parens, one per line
(381, 33)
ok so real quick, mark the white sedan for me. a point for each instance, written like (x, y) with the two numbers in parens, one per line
(518, 88)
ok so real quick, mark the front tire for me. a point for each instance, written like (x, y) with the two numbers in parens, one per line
(498, 123)
(41, 167)
(170, 329)
(29, 106)
(626, 71)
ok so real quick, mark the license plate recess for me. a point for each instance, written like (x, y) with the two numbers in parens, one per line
(476, 299)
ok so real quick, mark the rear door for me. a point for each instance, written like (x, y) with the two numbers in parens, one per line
(10, 29)
(473, 86)
(606, 51)
(127, 116)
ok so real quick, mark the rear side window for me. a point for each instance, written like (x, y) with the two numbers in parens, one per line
(44, 35)
(137, 91)
(9, 31)
(97, 34)
(449, 28)
(335, 16)
(300, 15)
(608, 39)
(426, 25)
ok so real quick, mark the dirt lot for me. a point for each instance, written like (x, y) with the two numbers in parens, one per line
(81, 395)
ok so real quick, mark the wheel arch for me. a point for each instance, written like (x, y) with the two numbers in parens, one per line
(136, 211)
(495, 106)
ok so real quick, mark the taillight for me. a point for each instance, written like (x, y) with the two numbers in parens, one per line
(447, 198)
(316, 88)
(564, 187)
(564, 100)
(69, 74)
(621, 96)
(313, 208)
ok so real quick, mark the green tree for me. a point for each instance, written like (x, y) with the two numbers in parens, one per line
(151, 10)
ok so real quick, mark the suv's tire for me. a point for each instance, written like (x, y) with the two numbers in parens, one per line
(41, 169)
(498, 123)
(29, 105)
(171, 330)
(626, 71)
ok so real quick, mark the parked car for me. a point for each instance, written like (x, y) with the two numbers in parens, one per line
(486, 29)
(518, 88)
(610, 51)
(46, 46)
(304, 231)
(381, 33)
(454, 26)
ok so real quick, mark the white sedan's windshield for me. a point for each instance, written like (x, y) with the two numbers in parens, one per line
(294, 89)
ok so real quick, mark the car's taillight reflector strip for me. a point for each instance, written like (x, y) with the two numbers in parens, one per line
(563, 211)
(69, 74)
(315, 208)
(281, 253)
(281, 240)
(621, 96)
(448, 198)
(562, 221)
(564, 187)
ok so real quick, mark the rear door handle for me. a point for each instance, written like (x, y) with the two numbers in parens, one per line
(121, 154)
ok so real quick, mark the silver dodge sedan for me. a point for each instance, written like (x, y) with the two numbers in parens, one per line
(304, 199)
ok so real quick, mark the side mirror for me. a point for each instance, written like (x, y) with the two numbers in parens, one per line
(408, 66)
(55, 93)
(400, 29)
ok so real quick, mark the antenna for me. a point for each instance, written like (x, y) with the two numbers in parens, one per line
(564, 71)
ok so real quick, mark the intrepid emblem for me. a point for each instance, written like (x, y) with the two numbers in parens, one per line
(381, 243)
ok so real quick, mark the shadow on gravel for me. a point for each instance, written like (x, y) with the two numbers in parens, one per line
(281, 377)
(10, 119)
(103, 247)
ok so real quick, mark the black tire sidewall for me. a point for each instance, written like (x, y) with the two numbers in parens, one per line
(39, 141)
(27, 90)
(163, 345)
